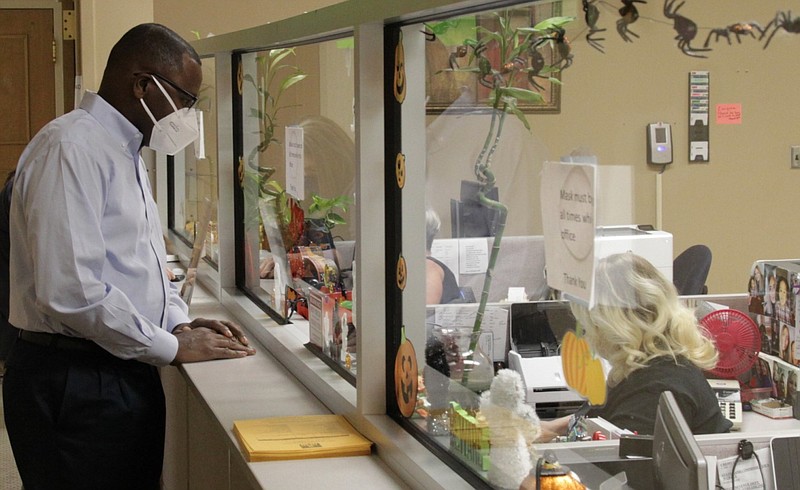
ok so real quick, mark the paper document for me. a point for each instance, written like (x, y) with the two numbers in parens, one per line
(299, 437)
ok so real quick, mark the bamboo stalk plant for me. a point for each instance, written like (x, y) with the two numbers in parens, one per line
(519, 55)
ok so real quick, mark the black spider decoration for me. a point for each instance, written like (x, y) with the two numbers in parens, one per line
(739, 30)
(628, 15)
(591, 14)
(782, 20)
(561, 47)
(537, 63)
(460, 52)
(686, 29)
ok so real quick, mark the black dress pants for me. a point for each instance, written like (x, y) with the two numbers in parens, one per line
(83, 419)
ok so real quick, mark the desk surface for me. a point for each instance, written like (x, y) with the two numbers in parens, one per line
(259, 386)
(753, 422)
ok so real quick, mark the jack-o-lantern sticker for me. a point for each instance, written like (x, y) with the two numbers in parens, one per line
(582, 371)
(400, 170)
(401, 273)
(405, 376)
(399, 71)
(240, 77)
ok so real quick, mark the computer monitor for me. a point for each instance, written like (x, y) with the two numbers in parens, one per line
(469, 217)
(537, 327)
(678, 463)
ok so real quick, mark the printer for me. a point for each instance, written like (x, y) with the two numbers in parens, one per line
(653, 245)
(537, 328)
(543, 379)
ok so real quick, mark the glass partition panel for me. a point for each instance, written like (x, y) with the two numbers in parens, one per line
(489, 79)
(297, 174)
(489, 102)
(194, 175)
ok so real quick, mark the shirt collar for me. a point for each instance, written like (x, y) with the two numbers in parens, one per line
(122, 130)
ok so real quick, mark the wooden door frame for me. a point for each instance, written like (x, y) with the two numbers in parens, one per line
(58, 66)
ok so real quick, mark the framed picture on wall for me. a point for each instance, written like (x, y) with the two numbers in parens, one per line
(458, 81)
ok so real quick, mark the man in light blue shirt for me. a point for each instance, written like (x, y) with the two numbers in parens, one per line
(83, 400)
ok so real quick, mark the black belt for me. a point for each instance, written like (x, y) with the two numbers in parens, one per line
(58, 341)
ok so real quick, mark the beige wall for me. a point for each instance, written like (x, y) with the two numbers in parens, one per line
(740, 203)
(102, 22)
(215, 17)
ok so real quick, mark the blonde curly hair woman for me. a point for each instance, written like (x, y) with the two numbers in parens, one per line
(653, 344)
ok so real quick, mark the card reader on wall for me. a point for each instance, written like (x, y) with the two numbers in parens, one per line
(659, 143)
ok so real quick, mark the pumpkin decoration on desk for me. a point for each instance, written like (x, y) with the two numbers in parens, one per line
(583, 371)
(552, 476)
(406, 376)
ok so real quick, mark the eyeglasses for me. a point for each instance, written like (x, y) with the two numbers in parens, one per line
(192, 98)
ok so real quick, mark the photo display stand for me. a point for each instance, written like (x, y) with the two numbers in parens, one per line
(197, 251)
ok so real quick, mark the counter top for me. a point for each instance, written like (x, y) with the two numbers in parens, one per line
(259, 386)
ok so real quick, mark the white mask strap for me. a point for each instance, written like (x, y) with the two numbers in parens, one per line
(149, 113)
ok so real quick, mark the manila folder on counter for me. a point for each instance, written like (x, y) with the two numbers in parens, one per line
(299, 437)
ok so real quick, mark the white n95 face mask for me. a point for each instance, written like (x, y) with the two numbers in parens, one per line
(175, 131)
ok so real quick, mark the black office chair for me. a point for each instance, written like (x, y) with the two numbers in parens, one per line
(690, 270)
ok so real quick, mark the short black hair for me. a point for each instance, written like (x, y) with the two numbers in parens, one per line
(154, 46)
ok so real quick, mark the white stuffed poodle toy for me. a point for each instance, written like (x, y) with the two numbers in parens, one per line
(513, 428)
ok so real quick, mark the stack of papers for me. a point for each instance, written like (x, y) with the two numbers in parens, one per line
(299, 437)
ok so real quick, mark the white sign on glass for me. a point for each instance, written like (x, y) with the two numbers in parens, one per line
(568, 216)
(295, 171)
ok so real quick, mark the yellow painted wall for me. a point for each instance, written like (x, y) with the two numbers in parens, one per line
(102, 23)
(215, 17)
(740, 203)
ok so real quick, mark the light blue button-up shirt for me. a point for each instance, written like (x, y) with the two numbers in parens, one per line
(87, 251)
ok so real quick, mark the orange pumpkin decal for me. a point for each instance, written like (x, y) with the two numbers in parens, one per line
(239, 77)
(400, 170)
(401, 273)
(583, 372)
(399, 82)
(405, 376)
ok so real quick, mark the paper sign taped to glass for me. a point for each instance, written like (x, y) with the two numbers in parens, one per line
(568, 217)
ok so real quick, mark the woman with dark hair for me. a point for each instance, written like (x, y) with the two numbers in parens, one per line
(784, 310)
(786, 342)
(755, 306)
(791, 388)
(440, 282)
(759, 375)
(770, 294)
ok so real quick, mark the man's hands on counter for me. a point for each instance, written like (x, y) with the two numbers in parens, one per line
(204, 339)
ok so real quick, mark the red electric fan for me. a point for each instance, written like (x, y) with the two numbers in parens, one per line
(737, 339)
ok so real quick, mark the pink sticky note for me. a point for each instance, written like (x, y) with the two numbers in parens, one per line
(729, 113)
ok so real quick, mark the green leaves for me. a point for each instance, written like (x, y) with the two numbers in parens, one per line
(521, 94)
(270, 88)
(547, 25)
(324, 208)
(511, 49)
